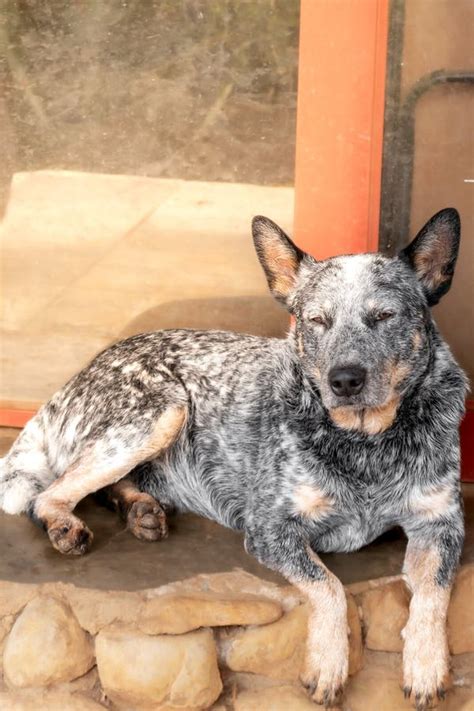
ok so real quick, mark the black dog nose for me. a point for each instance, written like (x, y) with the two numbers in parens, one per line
(347, 381)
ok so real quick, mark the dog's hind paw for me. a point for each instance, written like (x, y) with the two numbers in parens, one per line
(147, 520)
(70, 536)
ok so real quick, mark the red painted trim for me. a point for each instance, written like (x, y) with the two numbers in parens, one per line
(339, 137)
(12, 417)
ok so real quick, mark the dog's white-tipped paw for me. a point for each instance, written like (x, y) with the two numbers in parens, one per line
(426, 675)
(326, 671)
(325, 688)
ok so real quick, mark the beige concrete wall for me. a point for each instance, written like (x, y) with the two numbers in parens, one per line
(439, 34)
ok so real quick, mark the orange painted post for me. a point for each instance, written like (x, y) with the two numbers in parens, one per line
(339, 137)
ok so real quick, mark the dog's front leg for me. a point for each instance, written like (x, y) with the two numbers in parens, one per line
(431, 561)
(287, 550)
(327, 647)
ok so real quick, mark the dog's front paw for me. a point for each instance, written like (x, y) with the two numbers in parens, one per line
(425, 667)
(324, 690)
(147, 520)
(70, 536)
(325, 672)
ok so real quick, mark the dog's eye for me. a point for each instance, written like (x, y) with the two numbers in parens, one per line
(318, 320)
(383, 315)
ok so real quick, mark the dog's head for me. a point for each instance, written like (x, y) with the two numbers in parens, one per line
(361, 320)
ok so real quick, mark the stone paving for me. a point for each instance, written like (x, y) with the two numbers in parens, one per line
(227, 642)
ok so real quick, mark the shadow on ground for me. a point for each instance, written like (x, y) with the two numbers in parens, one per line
(195, 545)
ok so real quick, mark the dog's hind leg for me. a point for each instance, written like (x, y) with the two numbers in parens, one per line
(142, 513)
(103, 462)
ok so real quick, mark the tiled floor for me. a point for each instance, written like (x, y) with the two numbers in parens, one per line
(84, 255)
(195, 545)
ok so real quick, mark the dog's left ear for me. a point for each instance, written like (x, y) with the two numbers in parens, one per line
(278, 255)
(433, 253)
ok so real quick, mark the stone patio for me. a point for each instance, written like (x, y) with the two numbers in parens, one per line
(227, 642)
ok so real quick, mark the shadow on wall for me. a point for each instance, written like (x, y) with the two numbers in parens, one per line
(258, 315)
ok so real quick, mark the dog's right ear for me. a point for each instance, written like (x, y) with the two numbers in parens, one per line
(278, 255)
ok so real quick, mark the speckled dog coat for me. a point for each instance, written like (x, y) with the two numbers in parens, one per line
(319, 442)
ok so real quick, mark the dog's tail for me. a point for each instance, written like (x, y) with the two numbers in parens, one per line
(25, 471)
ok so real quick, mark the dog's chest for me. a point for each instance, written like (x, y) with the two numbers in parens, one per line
(348, 513)
(355, 520)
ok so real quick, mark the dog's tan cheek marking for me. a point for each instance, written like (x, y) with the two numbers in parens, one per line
(425, 654)
(379, 419)
(311, 501)
(94, 470)
(416, 341)
(397, 373)
(300, 345)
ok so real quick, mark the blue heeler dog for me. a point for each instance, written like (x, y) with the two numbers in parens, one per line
(318, 442)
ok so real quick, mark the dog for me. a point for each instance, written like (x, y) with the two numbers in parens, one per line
(315, 443)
